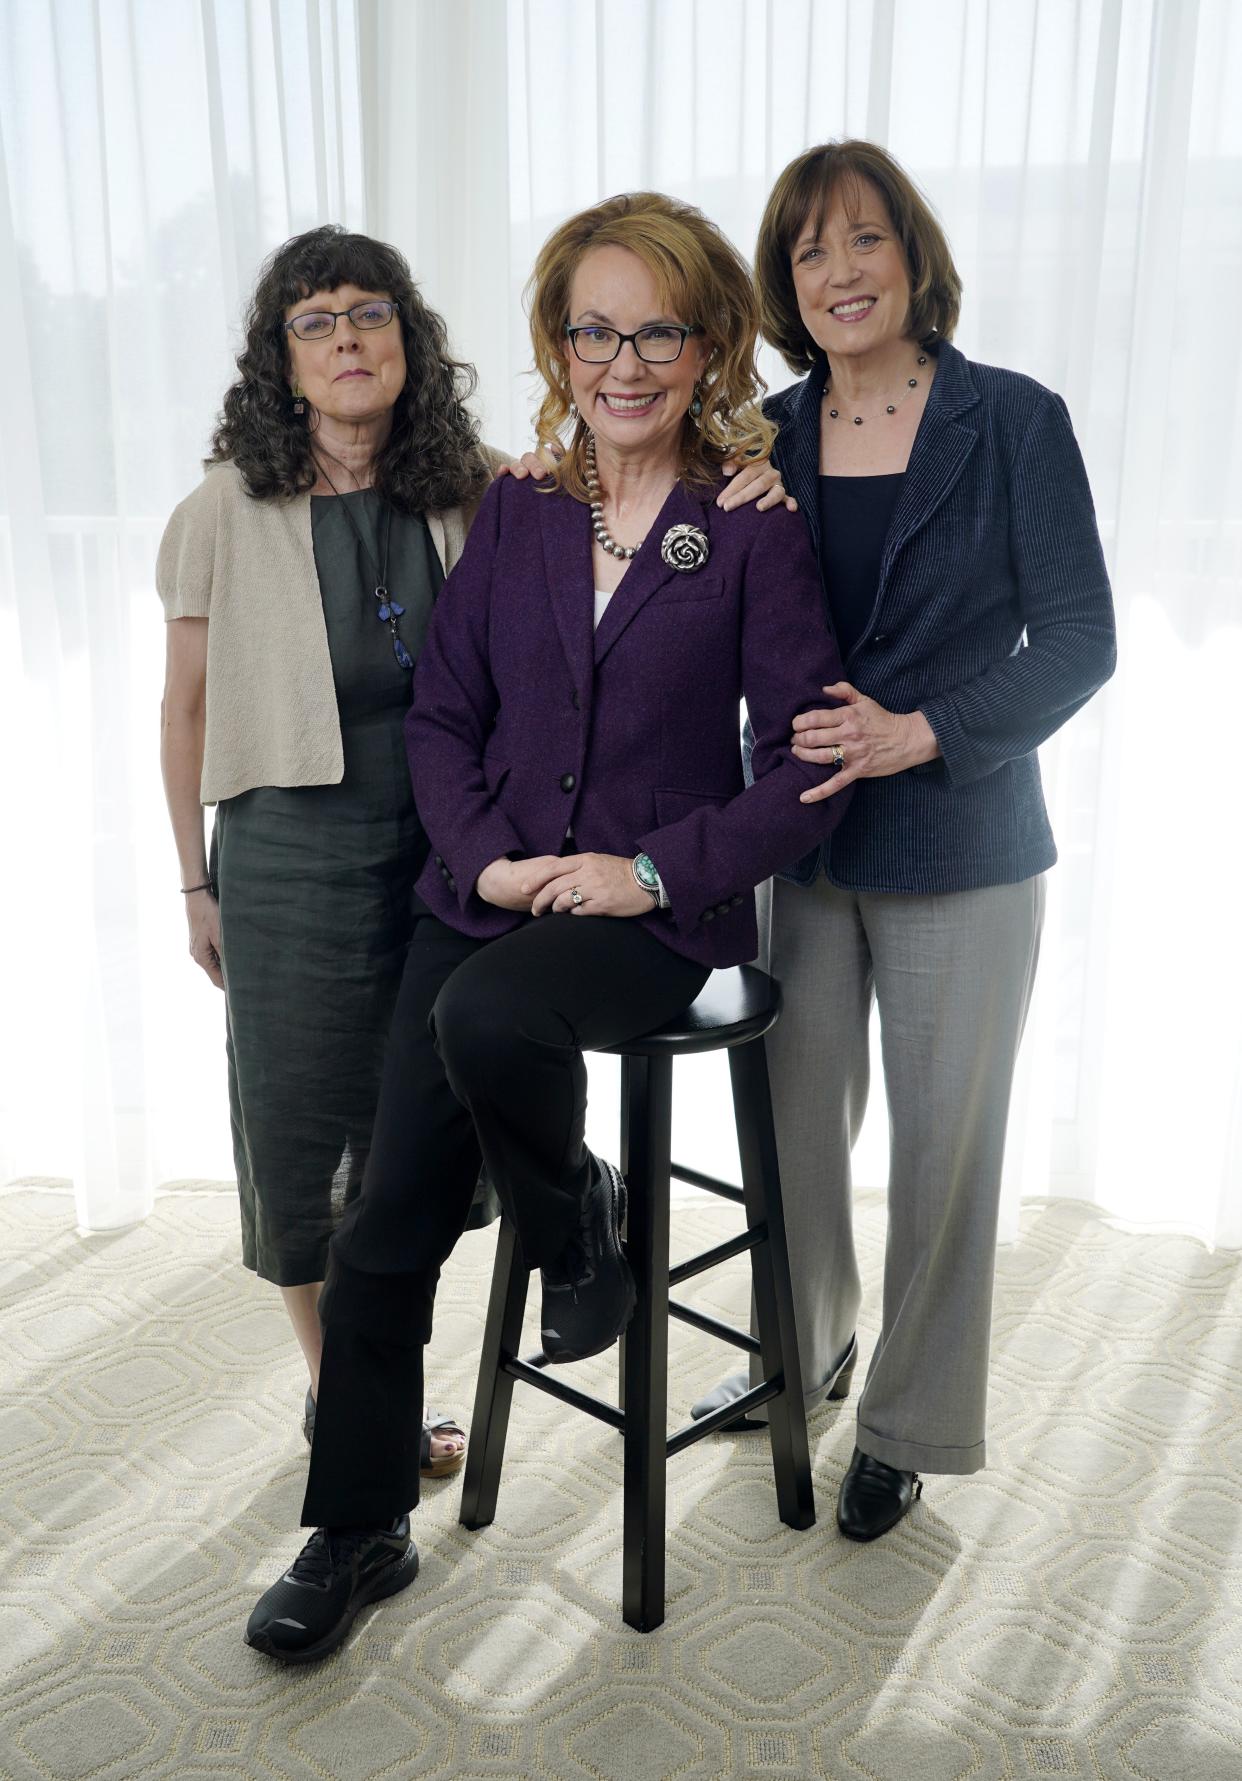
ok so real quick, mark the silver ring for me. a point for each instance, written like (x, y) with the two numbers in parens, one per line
(575, 897)
(838, 754)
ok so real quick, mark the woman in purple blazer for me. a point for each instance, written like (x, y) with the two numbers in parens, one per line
(573, 744)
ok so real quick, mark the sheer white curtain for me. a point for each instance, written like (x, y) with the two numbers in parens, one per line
(1086, 157)
(151, 152)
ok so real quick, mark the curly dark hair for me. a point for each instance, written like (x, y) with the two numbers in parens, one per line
(431, 459)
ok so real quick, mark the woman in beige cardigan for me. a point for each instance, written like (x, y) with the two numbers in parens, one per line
(298, 579)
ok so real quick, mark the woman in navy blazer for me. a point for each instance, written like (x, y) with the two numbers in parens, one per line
(964, 583)
(573, 744)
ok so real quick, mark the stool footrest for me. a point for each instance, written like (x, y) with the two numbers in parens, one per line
(712, 1326)
(723, 1252)
(727, 1413)
(568, 1394)
(711, 1184)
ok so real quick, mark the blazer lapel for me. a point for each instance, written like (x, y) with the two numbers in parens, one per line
(796, 453)
(566, 529)
(942, 446)
(648, 572)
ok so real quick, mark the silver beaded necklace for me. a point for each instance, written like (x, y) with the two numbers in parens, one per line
(596, 495)
(912, 383)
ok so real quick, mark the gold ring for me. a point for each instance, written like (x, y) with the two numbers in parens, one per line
(838, 754)
(575, 897)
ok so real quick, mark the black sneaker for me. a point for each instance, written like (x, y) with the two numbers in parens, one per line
(588, 1292)
(309, 1612)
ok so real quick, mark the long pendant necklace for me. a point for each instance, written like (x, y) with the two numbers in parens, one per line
(596, 496)
(387, 610)
(912, 383)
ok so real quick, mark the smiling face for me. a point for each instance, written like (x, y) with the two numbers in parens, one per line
(849, 274)
(629, 403)
(355, 374)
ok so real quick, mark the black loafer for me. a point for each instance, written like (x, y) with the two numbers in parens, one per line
(588, 1292)
(874, 1497)
(309, 1611)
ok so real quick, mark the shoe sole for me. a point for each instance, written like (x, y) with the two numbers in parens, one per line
(876, 1533)
(386, 1584)
(559, 1355)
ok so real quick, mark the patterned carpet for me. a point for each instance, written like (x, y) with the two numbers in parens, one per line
(1074, 1611)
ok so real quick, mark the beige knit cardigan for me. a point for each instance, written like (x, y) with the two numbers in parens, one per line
(248, 567)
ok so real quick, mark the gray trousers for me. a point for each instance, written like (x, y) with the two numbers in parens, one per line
(952, 976)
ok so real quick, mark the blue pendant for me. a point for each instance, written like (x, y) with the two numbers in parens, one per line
(397, 611)
(384, 613)
(402, 653)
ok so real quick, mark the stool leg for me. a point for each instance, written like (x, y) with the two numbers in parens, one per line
(494, 1394)
(778, 1337)
(624, 1165)
(647, 1096)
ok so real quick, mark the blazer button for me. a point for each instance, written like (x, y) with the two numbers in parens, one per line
(452, 884)
(708, 915)
(568, 782)
(736, 900)
(723, 908)
(439, 861)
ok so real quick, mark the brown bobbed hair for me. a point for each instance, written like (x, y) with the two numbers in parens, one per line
(701, 278)
(805, 190)
(431, 458)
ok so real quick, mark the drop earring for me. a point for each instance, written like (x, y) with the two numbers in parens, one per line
(299, 401)
(696, 405)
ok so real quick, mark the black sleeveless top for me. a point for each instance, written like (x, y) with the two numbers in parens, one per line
(854, 516)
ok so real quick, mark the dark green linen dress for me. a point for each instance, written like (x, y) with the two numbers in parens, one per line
(316, 891)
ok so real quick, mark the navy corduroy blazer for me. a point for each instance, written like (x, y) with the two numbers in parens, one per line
(993, 617)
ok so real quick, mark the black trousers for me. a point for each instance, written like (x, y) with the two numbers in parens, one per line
(484, 1059)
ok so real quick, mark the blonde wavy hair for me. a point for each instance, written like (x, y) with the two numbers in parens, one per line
(701, 278)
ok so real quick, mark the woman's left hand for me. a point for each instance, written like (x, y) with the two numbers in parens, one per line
(873, 742)
(605, 883)
(754, 479)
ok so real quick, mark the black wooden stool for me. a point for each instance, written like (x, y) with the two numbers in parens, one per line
(736, 1008)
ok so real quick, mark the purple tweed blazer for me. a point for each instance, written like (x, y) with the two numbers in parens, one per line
(526, 721)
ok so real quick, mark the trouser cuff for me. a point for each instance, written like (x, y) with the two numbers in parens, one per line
(919, 1456)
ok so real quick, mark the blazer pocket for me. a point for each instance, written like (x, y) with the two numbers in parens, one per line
(693, 586)
(672, 805)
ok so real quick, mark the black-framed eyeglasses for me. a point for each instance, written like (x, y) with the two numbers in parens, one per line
(317, 324)
(658, 344)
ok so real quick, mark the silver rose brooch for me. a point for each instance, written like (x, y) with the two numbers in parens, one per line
(684, 548)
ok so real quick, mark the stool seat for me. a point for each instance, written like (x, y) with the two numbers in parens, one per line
(734, 1006)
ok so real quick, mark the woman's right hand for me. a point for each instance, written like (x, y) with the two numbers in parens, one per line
(203, 914)
(514, 884)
